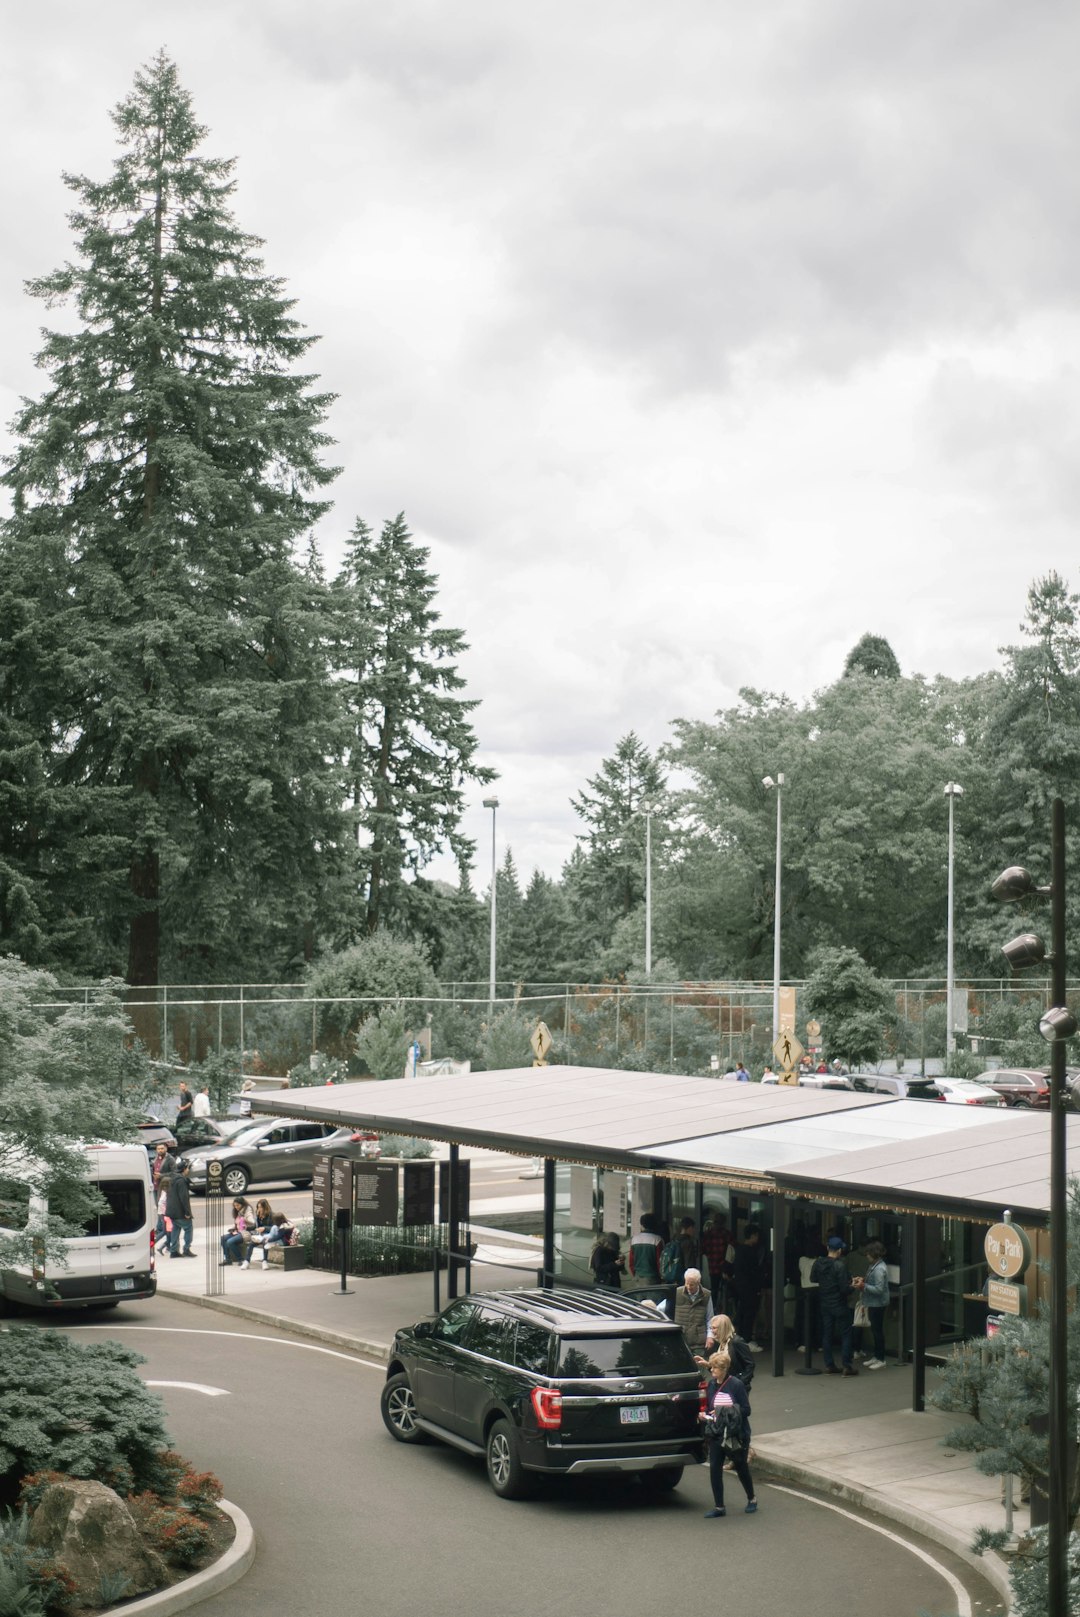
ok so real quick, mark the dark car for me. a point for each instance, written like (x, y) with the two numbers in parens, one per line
(1027, 1086)
(150, 1130)
(549, 1381)
(268, 1150)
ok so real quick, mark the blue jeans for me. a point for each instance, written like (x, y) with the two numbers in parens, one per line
(232, 1247)
(181, 1227)
(831, 1322)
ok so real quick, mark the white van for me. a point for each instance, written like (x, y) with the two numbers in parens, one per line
(113, 1261)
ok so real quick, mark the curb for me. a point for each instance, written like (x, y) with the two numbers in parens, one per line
(228, 1569)
(283, 1322)
(990, 1567)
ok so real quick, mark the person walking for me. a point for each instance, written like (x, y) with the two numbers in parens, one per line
(716, 1244)
(178, 1208)
(726, 1417)
(184, 1106)
(875, 1294)
(722, 1338)
(835, 1290)
(200, 1106)
(693, 1310)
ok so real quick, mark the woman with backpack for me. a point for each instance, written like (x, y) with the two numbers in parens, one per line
(726, 1417)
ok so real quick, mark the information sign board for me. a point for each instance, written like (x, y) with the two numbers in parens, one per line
(375, 1192)
(419, 1193)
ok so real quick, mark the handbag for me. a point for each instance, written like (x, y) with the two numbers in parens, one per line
(862, 1315)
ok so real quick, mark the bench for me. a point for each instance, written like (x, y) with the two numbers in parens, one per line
(286, 1257)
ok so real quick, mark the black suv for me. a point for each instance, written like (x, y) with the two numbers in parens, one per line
(557, 1381)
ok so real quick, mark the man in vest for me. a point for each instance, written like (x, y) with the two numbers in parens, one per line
(693, 1310)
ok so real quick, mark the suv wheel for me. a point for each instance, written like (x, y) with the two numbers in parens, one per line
(235, 1180)
(664, 1480)
(399, 1411)
(505, 1471)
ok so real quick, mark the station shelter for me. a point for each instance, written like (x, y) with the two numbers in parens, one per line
(927, 1179)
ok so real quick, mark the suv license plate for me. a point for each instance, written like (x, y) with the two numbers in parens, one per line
(123, 1285)
(634, 1414)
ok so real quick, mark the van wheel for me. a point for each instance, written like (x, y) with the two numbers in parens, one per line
(235, 1180)
(399, 1411)
(664, 1480)
(506, 1473)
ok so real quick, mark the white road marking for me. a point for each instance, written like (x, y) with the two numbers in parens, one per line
(193, 1386)
(963, 1599)
(240, 1336)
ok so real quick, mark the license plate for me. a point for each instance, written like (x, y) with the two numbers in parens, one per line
(123, 1285)
(634, 1414)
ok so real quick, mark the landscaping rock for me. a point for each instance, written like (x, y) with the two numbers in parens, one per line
(89, 1530)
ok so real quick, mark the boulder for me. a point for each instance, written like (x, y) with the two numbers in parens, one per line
(89, 1530)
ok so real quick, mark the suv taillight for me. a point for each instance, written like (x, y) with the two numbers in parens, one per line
(547, 1407)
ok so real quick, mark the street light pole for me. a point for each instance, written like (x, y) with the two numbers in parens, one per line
(492, 803)
(648, 891)
(952, 792)
(769, 784)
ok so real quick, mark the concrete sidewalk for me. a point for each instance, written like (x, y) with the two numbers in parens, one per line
(854, 1440)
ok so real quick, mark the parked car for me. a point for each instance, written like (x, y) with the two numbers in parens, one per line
(150, 1130)
(210, 1131)
(272, 1149)
(814, 1080)
(549, 1381)
(963, 1092)
(1027, 1086)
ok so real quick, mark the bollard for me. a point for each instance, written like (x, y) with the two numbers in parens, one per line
(807, 1366)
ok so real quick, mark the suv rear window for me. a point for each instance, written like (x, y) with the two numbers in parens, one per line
(642, 1353)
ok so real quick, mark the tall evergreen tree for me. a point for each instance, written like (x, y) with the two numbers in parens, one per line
(411, 746)
(160, 485)
(612, 879)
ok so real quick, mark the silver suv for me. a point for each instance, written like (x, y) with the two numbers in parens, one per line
(271, 1150)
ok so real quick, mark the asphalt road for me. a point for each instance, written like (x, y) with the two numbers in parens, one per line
(348, 1519)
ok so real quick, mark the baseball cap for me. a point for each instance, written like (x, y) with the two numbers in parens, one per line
(835, 1244)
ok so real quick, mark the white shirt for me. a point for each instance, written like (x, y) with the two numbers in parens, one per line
(201, 1107)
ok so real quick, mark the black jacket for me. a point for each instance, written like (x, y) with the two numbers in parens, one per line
(178, 1197)
(834, 1284)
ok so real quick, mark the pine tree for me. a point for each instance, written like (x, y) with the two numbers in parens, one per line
(610, 882)
(411, 746)
(160, 484)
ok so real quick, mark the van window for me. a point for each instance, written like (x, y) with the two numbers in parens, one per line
(126, 1210)
(14, 1204)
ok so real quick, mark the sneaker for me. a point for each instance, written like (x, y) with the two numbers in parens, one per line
(245, 1264)
(874, 1364)
(859, 1355)
(751, 1506)
(850, 1370)
(224, 1263)
(709, 1514)
(754, 1348)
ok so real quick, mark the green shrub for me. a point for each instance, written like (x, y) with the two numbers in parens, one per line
(80, 1410)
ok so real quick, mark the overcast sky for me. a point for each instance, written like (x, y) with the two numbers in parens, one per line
(696, 339)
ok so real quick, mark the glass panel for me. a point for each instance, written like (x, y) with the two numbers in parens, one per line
(645, 1353)
(532, 1349)
(488, 1333)
(452, 1324)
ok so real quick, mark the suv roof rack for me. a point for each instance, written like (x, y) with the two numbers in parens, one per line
(563, 1306)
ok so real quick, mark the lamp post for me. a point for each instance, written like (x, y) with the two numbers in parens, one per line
(952, 792)
(769, 784)
(1056, 1026)
(492, 803)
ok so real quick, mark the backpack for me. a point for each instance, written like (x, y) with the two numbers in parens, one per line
(725, 1426)
(671, 1263)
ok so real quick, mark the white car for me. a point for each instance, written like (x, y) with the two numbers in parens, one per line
(964, 1092)
(815, 1080)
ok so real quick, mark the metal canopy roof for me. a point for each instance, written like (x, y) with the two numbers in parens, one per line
(588, 1113)
(970, 1172)
(967, 1162)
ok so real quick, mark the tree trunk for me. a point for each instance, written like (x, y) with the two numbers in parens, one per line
(144, 935)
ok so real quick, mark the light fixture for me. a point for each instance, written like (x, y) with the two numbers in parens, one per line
(1057, 1024)
(1026, 950)
(1015, 883)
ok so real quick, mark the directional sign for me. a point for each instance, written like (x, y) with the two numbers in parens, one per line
(787, 1051)
(541, 1042)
